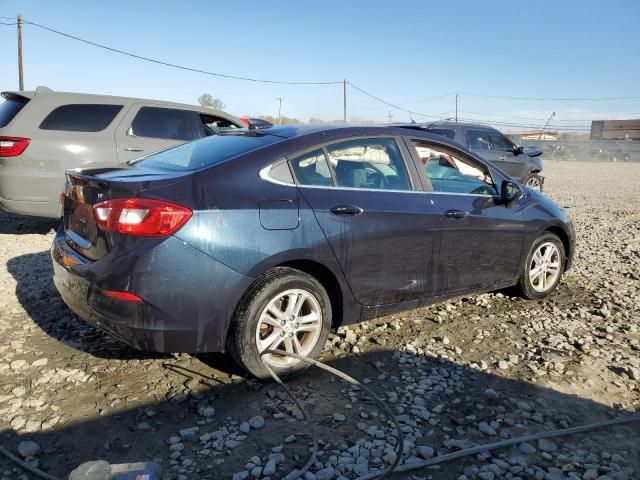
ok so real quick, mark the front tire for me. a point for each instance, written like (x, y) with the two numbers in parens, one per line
(543, 267)
(534, 182)
(285, 309)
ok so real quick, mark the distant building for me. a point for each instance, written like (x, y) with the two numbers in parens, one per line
(615, 130)
(536, 135)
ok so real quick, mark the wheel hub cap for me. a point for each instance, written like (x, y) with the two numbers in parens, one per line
(291, 321)
(544, 268)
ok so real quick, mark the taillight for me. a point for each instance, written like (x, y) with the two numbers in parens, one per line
(140, 216)
(124, 296)
(12, 146)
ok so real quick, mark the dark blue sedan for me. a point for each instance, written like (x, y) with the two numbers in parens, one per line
(266, 239)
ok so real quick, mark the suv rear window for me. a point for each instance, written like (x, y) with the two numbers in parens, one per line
(84, 117)
(9, 109)
(206, 152)
(167, 123)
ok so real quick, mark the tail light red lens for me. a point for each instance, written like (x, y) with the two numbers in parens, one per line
(12, 146)
(124, 296)
(140, 216)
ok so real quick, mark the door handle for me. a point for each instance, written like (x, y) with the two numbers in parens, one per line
(346, 210)
(455, 214)
(502, 157)
(133, 149)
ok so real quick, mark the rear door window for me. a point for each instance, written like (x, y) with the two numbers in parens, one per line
(445, 132)
(372, 163)
(167, 123)
(81, 117)
(9, 109)
(312, 169)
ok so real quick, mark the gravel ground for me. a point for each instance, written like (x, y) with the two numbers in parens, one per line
(469, 371)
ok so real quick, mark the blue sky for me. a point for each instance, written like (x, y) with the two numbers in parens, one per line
(400, 51)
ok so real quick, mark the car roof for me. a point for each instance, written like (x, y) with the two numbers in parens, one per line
(445, 124)
(69, 96)
(337, 132)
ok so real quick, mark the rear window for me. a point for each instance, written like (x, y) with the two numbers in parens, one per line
(206, 152)
(81, 118)
(9, 109)
(445, 132)
(167, 123)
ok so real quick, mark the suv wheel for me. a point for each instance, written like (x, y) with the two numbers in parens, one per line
(543, 267)
(285, 309)
(534, 182)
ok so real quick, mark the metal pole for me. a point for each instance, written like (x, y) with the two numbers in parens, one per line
(279, 109)
(456, 107)
(344, 100)
(20, 75)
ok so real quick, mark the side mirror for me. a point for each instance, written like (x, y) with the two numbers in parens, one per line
(517, 150)
(510, 191)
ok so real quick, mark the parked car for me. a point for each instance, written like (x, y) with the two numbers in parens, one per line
(265, 239)
(256, 122)
(43, 133)
(521, 163)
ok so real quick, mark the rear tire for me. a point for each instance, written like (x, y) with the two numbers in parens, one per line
(285, 309)
(543, 267)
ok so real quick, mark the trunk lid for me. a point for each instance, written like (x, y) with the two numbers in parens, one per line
(84, 189)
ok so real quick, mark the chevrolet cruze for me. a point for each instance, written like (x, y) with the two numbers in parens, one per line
(267, 239)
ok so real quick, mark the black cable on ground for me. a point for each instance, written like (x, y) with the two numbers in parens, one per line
(22, 464)
(394, 468)
(299, 472)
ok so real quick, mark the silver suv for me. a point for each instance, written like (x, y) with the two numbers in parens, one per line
(43, 133)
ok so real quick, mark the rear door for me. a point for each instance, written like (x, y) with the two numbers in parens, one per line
(381, 228)
(149, 128)
(481, 238)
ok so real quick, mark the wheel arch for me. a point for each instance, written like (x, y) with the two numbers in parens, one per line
(327, 279)
(566, 243)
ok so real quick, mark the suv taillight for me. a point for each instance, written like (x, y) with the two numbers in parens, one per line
(140, 216)
(12, 146)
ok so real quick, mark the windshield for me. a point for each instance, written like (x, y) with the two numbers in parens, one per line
(204, 153)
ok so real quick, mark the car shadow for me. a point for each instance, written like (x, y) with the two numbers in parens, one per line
(38, 296)
(11, 224)
(444, 402)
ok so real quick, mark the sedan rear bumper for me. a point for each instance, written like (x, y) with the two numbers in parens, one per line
(190, 315)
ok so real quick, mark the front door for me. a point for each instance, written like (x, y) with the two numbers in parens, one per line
(504, 153)
(482, 238)
(385, 234)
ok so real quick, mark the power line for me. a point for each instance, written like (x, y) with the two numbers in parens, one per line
(173, 65)
(373, 107)
(549, 99)
(391, 104)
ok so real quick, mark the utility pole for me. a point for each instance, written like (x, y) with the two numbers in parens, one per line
(390, 115)
(456, 107)
(344, 100)
(280, 99)
(20, 75)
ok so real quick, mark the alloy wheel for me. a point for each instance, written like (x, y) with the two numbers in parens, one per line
(545, 267)
(291, 321)
(533, 183)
